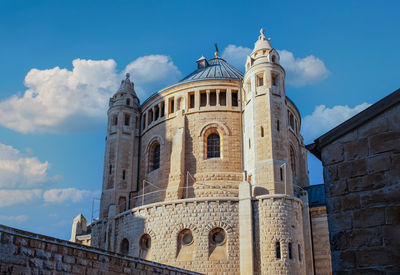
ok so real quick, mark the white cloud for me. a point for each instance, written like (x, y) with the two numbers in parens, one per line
(67, 194)
(152, 73)
(20, 171)
(13, 197)
(324, 119)
(18, 219)
(299, 71)
(61, 100)
(302, 71)
(236, 55)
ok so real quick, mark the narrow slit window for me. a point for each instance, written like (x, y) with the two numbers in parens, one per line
(156, 112)
(128, 101)
(213, 98)
(222, 98)
(110, 169)
(144, 122)
(274, 79)
(171, 106)
(299, 249)
(281, 173)
(290, 251)
(260, 80)
(249, 144)
(262, 131)
(203, 98)
(123, 174)
(278, 250)
(150, 116)
(235, 98)
(277, 126)
(127, 120)
(191, 100)
(213, 146)
(162, 109)
(115, 120)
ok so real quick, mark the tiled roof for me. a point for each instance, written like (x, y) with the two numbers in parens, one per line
(316, 195)
(217, 68)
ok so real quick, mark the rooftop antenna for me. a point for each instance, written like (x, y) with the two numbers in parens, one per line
(216, 49)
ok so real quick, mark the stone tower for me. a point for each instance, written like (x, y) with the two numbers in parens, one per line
(265, 106)
(122, 146)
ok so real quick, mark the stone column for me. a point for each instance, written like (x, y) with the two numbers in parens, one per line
(218, 97)
(208, 98)
(245, 229)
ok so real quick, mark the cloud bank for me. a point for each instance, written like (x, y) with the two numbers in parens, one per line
(324, 119)
(18, 219)
(299, 71)
(63, 101)
(20, 171)
(67, 194)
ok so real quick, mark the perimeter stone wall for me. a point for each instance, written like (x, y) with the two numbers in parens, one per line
(23, 252)
(362, 179)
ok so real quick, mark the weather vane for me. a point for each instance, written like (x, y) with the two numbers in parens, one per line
(216, 49)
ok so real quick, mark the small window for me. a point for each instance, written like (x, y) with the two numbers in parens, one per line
(155, 157)
(137, 122)
(274, 78)
(222, 98)
(156, 112)
(235, 98)
(185, 237)
(171, 106)
(260, 80)
(144, 121)
(278, 250)
(249, 144)
(128, 101)
(281, 173)
(110, 169)
(124, 247)
(262, 131)
(290, 251)
(217, 236)
(123, 174)
(203, 98)
(150, 116)
(299, 249)
(115, 120)
(127, 119)
(191, 100)
(145, 242)
(213, 146)
(291, 121)
(277, 126)
(162, 112)
(213, 98)
(292, 160)
(273, 59)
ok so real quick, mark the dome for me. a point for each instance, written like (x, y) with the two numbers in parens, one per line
(215, 68)
(262, 42)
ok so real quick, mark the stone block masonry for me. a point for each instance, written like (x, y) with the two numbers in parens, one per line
(23, 252)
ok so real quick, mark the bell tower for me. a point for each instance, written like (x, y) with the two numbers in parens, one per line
(264, 114)
(122, 148)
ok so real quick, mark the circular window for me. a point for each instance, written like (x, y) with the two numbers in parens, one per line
(186, 237)
(217, 236)
(145, 241)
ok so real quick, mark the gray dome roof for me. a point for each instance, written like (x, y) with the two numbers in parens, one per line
(217, 68)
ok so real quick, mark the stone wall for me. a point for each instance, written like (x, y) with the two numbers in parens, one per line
(164, 222)
(320, 240)
(23, 252)
(278, 218)
(362, 178)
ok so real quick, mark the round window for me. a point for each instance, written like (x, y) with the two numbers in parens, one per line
(187, 237)
(218, 236)
(145, 241)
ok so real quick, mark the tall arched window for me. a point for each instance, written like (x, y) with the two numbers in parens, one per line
(213, 146)
(154, 157)
(292, 160)
(124, 247)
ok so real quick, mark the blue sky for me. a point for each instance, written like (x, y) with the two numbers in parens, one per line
(60, 61)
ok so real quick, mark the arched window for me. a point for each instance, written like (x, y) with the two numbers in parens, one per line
(145, 246)
(217, 236)
(273, 59)
(213, 146)
(128, 101)
(292, 160)
(154, 157)
(185, 237)
(278, 250)
(124, 246)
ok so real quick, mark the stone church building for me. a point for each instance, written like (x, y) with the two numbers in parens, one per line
(210, 174)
